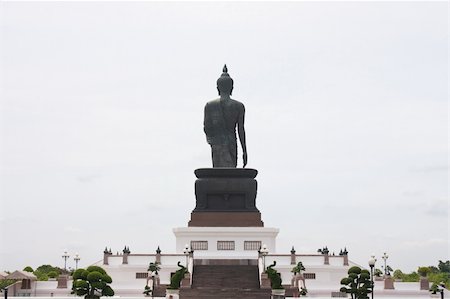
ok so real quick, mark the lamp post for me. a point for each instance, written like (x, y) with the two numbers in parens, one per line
(65, 256)
(372, 262)
(385, 257)
(76, 259)
(264, 251)
(186, 253)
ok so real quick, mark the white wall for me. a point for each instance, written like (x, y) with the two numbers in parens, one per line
(185, 235)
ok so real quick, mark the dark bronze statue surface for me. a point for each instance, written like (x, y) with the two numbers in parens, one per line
(222, 115)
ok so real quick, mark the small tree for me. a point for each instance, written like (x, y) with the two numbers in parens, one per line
(444, 266)
(357, 284)
(423, 271)
(28, 269)
(378, 273)
(303, 292)
(92, 283)
(5, 283)
(154, 267)
(298, 269)
(434, 288)
(398, 274)
(147, 290)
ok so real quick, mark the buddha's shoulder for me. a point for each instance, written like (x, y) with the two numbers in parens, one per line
(237, 105)
(230, 102)
(235, 102)
(213, 102)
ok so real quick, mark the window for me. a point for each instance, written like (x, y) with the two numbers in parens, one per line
(199, 245)
(225, 245)
(26, 284)
(141, 275)
(309, 275)
(252, 245)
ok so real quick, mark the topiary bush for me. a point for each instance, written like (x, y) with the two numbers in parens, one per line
(177, 277)
(147, 291)
(357, 284)
(92, 283)
(274, 276)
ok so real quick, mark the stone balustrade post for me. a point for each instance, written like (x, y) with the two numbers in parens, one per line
(126, 253)
(265, 281)
(158, 256)
(345, 260)
(106, 254)
(293, 256)
(388, 283)
(62, 281)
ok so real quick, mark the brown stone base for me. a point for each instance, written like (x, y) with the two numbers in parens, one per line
(226, 219)
(389, 283)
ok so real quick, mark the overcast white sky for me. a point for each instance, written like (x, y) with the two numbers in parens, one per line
(102, 111)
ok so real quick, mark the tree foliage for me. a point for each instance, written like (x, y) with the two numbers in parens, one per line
(423, 271)
(92, 283)
(154, 267)
(44, 272)
(6, 282)
(436, 275)
(434, 288)
(28, 269)
(147, 290)
(52, 274)
(398, 274)
(444, 266)
(298, 269)
(357, 284)
(411, 277)
(41, 276)
(48, 268)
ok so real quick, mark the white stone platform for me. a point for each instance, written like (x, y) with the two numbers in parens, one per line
(239, 235)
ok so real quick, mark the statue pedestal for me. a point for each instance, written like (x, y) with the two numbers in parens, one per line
(226, 197)
(225, 223)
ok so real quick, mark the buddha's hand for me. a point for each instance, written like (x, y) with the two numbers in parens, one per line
(244, 158)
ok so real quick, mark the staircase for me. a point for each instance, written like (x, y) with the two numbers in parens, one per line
(225, 282)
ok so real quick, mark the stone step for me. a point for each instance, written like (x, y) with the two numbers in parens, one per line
(225, 282)
(222, 276)
(224, 293)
